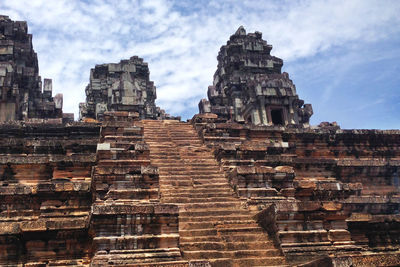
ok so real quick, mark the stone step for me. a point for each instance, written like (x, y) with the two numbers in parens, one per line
(303, 236)
(259, 261)
(178, 164)
(199, 239)
(197, 182)
(195, 225)
(215, 185)
(207, 224)
(240, 257)
(256, 245)
(214, 219)
(211, 217)
(245, 237)
(233, 204)
(206, 254)
(163, 264)
(220, 188)
(130, 241)
(198, 232)
(137, 255)
(197, 194)
(205, 245)
(212, 212)
(196, 200)
(187, 184)
(195, 175)
(241, 230)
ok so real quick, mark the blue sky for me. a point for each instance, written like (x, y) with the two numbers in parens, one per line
(343, 55)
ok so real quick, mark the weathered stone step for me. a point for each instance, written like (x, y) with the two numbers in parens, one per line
(233, 204)
(259, 261)
(246, 237)
(215, 185)
(248, 253)
(196, 175)
(197, 239)
(130, 241)
(196, 194)
(204, 182)
(212, 212)
(193, 184)
(207, 224)
(199, 190)
(240, 257)
(177, 183)
(298, 225)
(197, 200)
(206, 254)
(162, 264)
(214, 219)
(136, 256)
(240, 230)
(198, 232)
(181, 163)
(303, 236)
(251, 245)
(195, 225)
(206, 245)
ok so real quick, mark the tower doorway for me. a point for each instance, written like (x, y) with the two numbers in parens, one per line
(277, 116)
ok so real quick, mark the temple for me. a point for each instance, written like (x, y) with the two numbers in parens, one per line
(246, 182)
(124, 86)
(250, 87)
(22, 95)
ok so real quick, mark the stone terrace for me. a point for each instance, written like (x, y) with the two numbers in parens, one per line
(322, 192)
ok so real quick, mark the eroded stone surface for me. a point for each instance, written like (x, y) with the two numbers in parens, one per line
(321, 191)
(45, 192)
(123, 86)
(236, 188)
(250, 87)
(22, 95)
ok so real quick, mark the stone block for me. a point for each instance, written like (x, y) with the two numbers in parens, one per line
(103, 147)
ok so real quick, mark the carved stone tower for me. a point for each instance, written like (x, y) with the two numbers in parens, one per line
(121, 87)
(250, 87)
(21, 95)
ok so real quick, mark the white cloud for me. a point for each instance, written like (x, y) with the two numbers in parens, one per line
(180, 39)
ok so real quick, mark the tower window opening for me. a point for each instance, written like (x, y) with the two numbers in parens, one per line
(277, 116)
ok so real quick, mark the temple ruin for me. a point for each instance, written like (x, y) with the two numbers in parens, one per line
(121, 87)
(22, 95)
(246, 182)
(250, 87)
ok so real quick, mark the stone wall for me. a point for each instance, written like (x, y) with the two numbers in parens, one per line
(335, 192)
(77, 195)
(45, 191)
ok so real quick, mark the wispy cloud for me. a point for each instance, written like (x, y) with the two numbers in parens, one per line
(180, 39)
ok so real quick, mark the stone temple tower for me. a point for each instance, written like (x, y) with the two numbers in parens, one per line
(21, 93)
(250, 87)
(123, 86)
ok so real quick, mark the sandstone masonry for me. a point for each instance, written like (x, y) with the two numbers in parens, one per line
(22, 95)
(247, 182)
(250, 87)
(124, 86)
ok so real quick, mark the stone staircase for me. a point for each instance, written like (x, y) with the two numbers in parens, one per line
(130, 227)
(214, 224)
